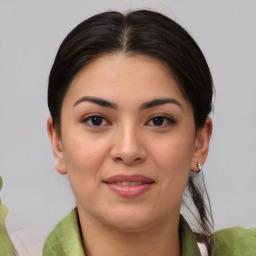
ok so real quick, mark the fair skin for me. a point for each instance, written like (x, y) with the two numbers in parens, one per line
(143, 126)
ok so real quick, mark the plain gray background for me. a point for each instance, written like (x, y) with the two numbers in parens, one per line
(30, 34)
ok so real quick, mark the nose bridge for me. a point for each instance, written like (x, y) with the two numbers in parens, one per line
(128, 144)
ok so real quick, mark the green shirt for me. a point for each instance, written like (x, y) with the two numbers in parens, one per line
(235, 241)
(65, 240)
(6, 246)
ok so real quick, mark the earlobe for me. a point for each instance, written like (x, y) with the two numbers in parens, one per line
(56, 147)
(202, 145)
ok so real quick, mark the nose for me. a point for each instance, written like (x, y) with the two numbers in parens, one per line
(128, 147)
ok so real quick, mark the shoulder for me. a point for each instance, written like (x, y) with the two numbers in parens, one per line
(234, 241)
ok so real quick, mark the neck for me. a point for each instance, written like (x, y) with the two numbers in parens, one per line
(159, 240)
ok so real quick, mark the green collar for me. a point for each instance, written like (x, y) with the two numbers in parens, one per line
(189, 245)
(65, 239)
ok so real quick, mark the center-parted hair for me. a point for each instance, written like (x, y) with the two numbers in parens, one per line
(141, 33)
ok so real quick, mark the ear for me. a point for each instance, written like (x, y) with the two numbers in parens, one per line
(56, 147)
(202, 145)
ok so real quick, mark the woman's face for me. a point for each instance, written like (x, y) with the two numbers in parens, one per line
(128, 142)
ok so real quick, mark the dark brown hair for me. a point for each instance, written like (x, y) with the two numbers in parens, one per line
(141, 33)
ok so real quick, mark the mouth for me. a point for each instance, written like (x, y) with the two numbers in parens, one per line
(129, 186)
(127, 183)
(129, 180)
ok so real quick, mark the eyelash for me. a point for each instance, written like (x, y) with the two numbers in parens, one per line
(165, 119)
(89, 118)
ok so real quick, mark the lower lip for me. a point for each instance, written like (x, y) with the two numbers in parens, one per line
(130, 191)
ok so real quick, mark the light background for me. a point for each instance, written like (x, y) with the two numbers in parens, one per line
(30, 34)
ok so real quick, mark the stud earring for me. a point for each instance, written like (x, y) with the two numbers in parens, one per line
(199, 166)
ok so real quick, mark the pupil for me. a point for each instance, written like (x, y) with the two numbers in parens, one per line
(158, 121)
(96, 120)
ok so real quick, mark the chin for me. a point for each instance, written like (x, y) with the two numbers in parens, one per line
(131, 222)
(130, 226)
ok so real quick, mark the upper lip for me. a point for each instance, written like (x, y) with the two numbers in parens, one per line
(128, 178)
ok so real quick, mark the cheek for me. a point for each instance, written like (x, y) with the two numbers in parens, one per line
(174, 154)
(83, 159)
(173, 158)
(83, 155)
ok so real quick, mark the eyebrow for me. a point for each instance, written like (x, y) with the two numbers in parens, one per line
(101, 102)
(146, 105)
(157, 102)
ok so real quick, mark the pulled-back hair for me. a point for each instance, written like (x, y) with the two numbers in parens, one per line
(142, 33)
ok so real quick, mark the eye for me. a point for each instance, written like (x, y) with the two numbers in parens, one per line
(95, 120)
(160, 120)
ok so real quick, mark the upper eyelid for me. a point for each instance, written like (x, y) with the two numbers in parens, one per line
(161, 115)
(93, 114)
(86, 117)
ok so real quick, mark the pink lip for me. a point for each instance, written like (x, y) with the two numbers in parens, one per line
(128, 178)
(129, 191)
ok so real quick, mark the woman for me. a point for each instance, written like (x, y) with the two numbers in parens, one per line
(130, 98)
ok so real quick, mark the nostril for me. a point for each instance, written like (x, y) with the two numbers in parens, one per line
(128, 160)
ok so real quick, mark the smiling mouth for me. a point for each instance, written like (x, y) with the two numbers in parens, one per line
(128, 180)
(129, 186)
(131, 183)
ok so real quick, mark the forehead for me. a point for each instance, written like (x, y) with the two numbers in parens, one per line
(119, 76)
